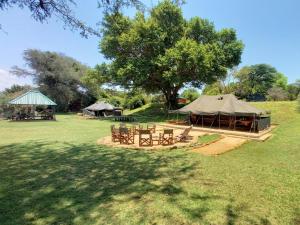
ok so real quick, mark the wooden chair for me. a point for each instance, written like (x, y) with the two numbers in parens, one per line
(126, 136)
(184, 135)
(136, 128)
(115, 134)
(151, 127)
(167, 138)
(145, 138)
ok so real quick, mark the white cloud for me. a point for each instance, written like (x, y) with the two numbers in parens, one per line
(7, 80)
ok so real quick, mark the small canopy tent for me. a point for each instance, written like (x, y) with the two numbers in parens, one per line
(27, 104)
(102, 109)
(225, 111)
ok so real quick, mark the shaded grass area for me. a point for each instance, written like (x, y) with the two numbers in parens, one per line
(54, 173)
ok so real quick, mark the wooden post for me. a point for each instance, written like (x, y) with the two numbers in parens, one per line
(234, 122)
(219, 121)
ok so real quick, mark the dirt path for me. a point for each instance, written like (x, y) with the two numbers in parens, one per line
(223, 145)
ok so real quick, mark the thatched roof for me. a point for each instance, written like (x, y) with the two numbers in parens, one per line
(32, 97)
(219, 104)
(98, 106)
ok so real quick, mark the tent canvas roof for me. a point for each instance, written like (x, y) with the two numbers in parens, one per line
(98, 106)
(32, 97)
(220, 104)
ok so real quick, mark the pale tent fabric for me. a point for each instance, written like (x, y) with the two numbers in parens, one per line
(32, 97)
(98, 106)
(219, 104)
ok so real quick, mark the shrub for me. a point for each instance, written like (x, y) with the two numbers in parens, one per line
(116, 101)
(190, 94)
(135, 102)
(158, 99)
(277, 94)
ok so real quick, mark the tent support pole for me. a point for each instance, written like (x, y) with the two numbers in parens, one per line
(219, 122)
(197, 120)
(202, 120)
(213, 121)
(234, 122)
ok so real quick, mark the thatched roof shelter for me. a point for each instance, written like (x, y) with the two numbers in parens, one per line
(99, 106)
(100, 109)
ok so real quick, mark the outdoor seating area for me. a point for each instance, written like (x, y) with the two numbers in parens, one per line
(32, 105)
(148, 135)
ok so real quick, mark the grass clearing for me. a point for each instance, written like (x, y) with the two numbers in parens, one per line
(54, 173)
(206, 139)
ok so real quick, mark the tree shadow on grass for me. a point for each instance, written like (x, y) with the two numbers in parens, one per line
(61, 183)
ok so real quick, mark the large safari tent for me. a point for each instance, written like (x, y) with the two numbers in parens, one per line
(226, 112)
(32, 105)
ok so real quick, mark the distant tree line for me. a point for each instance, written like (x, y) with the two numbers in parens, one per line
(256, 83)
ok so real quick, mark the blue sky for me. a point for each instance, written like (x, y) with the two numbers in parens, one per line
(268, 28)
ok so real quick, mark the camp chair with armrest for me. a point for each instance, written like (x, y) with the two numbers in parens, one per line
(145, 138)
(126, 136)
(184, 135)
(136, 128)
(151, 127)
(115, 134)
(167, 137)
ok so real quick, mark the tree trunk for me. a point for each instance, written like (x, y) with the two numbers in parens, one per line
(171, 99)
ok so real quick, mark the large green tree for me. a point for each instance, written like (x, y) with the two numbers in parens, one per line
(255, 81)
(58, 76)
(281, 81)
(164, 52)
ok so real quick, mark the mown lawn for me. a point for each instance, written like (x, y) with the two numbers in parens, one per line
(54, 173)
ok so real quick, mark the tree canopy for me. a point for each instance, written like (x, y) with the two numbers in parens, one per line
(293, 90)
(255, 81)
(281, 81)
(163, 52)
(58, 76)
(191, 94)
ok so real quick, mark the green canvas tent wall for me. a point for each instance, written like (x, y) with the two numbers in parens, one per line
(226, 111)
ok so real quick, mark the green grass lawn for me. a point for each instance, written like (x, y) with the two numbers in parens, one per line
(206, 139)
(54, 173)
